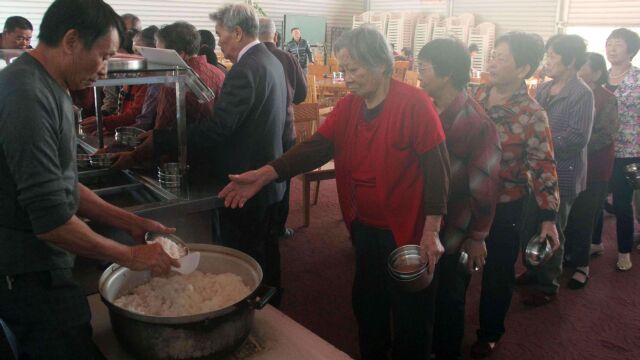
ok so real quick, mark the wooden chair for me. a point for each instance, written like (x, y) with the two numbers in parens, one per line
(306, 122)
(399, 69)
(312, 91)
(333, 64)
(411, 78)
(318, 70)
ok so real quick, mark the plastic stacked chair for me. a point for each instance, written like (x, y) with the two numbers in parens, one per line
(459, 27)
(400, 29)
(359, 20)
(484, 36)
(377, 19)
(424, 30)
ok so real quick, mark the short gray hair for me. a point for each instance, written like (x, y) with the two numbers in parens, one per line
(240, 15)
(367, 46)
(267, 28)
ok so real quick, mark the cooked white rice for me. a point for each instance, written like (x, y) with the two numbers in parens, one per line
(182, 295)
(170, 247)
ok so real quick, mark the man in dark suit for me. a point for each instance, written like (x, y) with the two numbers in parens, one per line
(244, 133)
(296, 93)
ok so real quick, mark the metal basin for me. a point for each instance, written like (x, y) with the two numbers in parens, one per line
(118, 188)
(207, 335)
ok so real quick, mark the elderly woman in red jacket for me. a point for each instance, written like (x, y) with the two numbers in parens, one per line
(392, 173)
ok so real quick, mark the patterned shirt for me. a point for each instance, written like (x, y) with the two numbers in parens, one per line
(628, 94)
(527, 149)
(571, 114)
(474, 157)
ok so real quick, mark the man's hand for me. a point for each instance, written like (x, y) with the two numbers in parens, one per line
(477, 251)
(244, 186)
(549, 229)
(150, 257)
(431, 249)
(139, 226)
(123, 160)
(89, 124)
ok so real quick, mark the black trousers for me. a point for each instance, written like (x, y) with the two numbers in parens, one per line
(249, 230)
(622, 197)
(582, 223)
(498, 276)
(49, 316)
(377, 302)
(282, 212)
(282, 207)
(448, 332)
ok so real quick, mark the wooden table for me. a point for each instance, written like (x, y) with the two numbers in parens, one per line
(325, 172)
(274, 336)
(336, 87)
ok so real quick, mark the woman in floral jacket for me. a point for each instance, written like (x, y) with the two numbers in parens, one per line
(624, 81)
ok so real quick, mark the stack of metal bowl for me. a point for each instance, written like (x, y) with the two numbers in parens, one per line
(128, 136)
(170, 176)
(632, 172)
(83, 161)
(100, 160)
(408, 270)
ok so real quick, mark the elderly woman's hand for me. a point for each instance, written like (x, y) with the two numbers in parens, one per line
(244, 186)
(431, 248)
(549, 228)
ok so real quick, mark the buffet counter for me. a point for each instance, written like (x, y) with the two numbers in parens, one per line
(274, 336)
(138, 191)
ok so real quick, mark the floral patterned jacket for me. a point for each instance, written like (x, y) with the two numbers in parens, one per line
(628, 94)
(527, 149)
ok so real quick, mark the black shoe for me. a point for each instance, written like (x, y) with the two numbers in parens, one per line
(481, 349)
(575, 284)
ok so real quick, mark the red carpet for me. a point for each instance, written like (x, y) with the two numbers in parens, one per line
(601, 321)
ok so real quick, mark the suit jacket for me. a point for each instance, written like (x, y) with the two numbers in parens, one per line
(296, 90)
(245, 130)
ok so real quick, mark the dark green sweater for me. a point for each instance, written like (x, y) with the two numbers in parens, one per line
(38, 174)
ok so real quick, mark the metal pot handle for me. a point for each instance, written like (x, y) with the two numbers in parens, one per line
(261, 296)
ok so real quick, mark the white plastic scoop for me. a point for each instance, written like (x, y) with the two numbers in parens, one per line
(188, 263)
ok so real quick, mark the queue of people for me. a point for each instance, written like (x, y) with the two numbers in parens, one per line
(445, 167)
(514, 172)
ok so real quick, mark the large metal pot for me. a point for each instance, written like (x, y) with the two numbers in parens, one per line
(204, 336)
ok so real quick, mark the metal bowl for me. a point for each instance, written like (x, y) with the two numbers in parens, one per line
(83, 160)
(100, 160)
(169, 178)
(408, 270)
(538, 252)
(128, 136)
(152, 236)
(171, 168)
(632, 173)
(170, 184)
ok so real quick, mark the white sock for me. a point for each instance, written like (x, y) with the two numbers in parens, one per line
(580, 276)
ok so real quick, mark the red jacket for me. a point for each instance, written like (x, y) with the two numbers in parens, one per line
(131, 101)
(408, 128)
